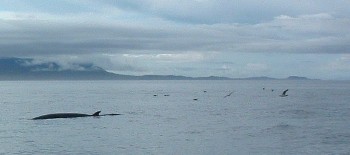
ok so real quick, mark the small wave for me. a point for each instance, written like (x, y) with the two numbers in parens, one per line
(171, 118)
(191, 132)
(283, 126)
(135, 112)
(336, 139)
(280, 128)
(297, 113)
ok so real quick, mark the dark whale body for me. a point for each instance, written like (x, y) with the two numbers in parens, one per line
(69, 115)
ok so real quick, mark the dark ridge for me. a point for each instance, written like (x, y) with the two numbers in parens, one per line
(256, 78)
(297, 78)
(29, 69)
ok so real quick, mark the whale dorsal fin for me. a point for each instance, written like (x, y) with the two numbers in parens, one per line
(96, 113)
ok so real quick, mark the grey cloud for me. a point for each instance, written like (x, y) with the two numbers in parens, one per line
(318, 33)
(228, 11)
(49, 37)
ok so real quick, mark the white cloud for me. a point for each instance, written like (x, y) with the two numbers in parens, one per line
(228, 11)
(318, 33)
(256, 67)
(340, 64)
(169, 57)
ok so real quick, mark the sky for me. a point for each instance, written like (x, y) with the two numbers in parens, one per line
(231, 38)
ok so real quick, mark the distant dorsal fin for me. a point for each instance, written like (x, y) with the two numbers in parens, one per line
(97, 113)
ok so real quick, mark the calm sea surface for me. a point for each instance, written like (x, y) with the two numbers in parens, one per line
(313, 119)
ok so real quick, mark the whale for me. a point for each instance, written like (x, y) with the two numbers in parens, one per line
(70, 115)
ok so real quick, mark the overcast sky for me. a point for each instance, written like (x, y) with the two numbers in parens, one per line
(232, 38)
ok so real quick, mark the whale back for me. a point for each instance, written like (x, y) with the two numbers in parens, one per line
(61, 115)
(70, 115)
(65, 115)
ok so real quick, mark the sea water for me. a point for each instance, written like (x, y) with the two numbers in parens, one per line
(162, 117)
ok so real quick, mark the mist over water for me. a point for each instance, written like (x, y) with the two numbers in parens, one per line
(161, 117)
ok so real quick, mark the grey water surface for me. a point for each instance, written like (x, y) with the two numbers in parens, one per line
(162, 117)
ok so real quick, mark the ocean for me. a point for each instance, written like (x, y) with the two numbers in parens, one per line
(162, 117)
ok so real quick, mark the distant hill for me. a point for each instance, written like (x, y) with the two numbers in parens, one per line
(297, 78)
(29, 69)
(256, 78)
(270, 78)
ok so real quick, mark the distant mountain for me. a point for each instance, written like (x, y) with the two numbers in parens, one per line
(270, 78)
(30, 69)
(18, 65)
(297, 78)
(256, 78)
(175, 77)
